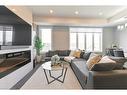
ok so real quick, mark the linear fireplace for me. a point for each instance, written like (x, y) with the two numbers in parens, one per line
(12, 61)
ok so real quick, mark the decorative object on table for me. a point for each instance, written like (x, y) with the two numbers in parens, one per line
(114, 45)
(55, 60)
(39, 46)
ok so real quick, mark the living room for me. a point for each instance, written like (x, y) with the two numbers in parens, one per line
(96, 32)
(85, 28)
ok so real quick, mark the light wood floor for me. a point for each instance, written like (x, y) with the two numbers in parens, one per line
(38, 81)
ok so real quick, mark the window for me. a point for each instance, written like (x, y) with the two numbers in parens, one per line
(1, 35)
(46, 38)
(73, 40)
(6, 35)
(81, 41)
(89, 39)
(97, 41)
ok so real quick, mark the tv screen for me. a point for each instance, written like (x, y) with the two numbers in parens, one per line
(13, 29)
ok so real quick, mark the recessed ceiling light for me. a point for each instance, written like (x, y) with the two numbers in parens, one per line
(76, 12)
(100, 13)
(51, 11)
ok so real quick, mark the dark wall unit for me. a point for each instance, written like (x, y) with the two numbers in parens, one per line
(22, 35)
(13, 29)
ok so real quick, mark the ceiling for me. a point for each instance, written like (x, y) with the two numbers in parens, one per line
(84, 11)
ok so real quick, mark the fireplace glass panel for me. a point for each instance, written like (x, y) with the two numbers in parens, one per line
(13, 61)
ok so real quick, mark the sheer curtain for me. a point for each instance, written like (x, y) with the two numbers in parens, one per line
(89, 39)
(45, 34)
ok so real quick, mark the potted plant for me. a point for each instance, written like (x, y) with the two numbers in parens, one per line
(39, 46)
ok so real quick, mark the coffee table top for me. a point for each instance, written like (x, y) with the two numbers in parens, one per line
(48, 66)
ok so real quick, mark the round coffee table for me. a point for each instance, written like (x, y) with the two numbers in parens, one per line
(59, 67)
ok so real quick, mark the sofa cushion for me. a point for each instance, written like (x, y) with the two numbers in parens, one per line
(47, 58)
(92, 54)
(82, 53)
(82, 67)
(71, 53)
(68, 52)
(62, 57)
(79, 59)
(86, 55)
(103, 67)
(119, 62)
(105, 64)
(92, 61)
(81, 71)
(115, 79)
(63, 52)
(51, 53)
(106, 59)
(77, 53)
(69, 58)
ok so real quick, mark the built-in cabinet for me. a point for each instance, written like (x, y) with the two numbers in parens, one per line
(14, 65)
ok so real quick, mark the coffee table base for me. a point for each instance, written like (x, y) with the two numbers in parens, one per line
(56, 78)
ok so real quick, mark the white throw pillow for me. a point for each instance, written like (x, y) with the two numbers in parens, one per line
(72, 53)
(106, 59)
(69, 58)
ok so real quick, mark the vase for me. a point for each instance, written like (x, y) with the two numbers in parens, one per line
(38, 58)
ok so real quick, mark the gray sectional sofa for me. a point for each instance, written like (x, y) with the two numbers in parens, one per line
(60, 53)
(114, 79)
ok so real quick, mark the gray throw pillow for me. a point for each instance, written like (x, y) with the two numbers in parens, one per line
(62, 52)
(86, 55)
(82, 54)
(51, 53)
(103, 67)
(119, 62)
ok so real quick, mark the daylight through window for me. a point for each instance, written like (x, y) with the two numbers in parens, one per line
(89, 39)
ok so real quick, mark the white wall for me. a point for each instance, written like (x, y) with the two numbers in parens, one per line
(108, 37)
(60, 38)
(112, 35)
(121, 39)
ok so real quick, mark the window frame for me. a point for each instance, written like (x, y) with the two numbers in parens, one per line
(4, 29)
(77, 31)
(40, 35)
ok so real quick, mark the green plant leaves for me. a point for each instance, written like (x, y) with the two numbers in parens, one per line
(38, 44)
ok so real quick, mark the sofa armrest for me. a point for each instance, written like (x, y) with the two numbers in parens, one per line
(119, 59)
(108, 79)
(81, 71)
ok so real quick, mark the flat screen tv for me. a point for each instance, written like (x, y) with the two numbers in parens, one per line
(13, 30)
